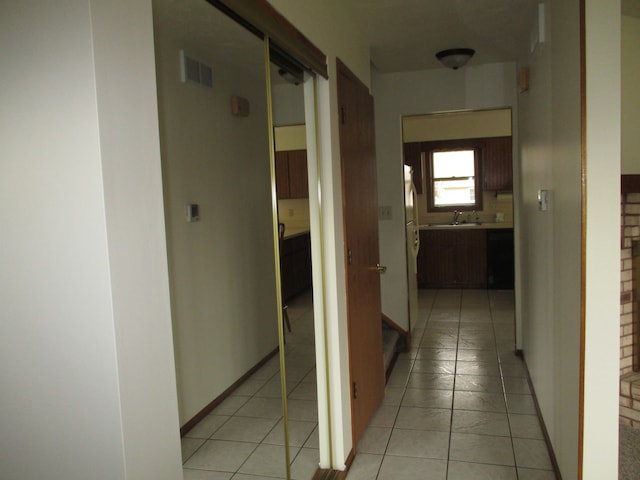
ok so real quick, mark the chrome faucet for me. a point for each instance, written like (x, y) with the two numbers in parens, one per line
(456, 216)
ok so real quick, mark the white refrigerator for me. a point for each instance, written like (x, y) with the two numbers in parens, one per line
(413, 242)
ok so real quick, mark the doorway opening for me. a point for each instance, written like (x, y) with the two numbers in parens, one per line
(468, 243)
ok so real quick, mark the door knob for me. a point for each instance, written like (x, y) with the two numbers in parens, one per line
(381, 268)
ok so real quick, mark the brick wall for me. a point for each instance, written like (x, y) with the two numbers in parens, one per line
(629, 380)
(630, 232)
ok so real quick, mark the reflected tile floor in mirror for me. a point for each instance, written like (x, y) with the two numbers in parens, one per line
(458, 405)
(243, 438)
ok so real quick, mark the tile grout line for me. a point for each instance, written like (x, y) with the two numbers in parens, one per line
(504, 391)
(297, 384)
(453, 389)
(206, 439)
(235, 415)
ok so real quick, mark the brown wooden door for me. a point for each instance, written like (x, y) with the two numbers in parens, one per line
(360, 207)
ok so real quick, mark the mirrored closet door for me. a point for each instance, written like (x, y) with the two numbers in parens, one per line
(292, 191)
(241, 330)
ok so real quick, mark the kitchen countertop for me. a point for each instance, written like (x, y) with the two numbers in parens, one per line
(294, 232)
(466, 226)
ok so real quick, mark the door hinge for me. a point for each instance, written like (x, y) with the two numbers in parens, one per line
(355, 390)
(349, 257)
(342, 114)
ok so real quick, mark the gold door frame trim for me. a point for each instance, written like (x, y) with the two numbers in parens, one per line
(276, 253)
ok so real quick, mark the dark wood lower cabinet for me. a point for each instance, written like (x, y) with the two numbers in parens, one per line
(295, 265)
(452, 259)
(500, 263)
(439, 262)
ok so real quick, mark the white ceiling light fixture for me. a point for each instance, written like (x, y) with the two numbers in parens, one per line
(455, 57)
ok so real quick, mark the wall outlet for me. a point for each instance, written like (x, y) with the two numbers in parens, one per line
(384, 212)
(291, 212)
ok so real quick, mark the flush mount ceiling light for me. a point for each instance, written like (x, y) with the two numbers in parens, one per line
(455, 57)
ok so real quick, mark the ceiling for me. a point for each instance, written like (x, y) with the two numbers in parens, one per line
(405, 34)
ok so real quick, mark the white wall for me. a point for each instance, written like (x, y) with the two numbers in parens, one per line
(550, 153)
(87, 361)
(550, 140)
(602, 295)
(288, 104)
(630, 95)
(222, 267)
(413, 93)
(459, 125)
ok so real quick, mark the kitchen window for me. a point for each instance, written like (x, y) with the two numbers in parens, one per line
(454, 178)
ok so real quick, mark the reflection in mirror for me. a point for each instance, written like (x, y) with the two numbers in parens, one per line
(295, 261)
(214, 134)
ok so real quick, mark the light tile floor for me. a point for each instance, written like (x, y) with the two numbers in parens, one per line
(243, 438)
(457, 406)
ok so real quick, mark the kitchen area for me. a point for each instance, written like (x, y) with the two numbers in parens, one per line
(466, 255)
(465, 217)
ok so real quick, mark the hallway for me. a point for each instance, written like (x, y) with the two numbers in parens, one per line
(458, 405)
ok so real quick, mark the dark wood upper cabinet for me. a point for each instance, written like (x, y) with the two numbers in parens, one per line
(413, 158)
(282, 175)
(498, 166)
(298, 178)
(291, 174)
